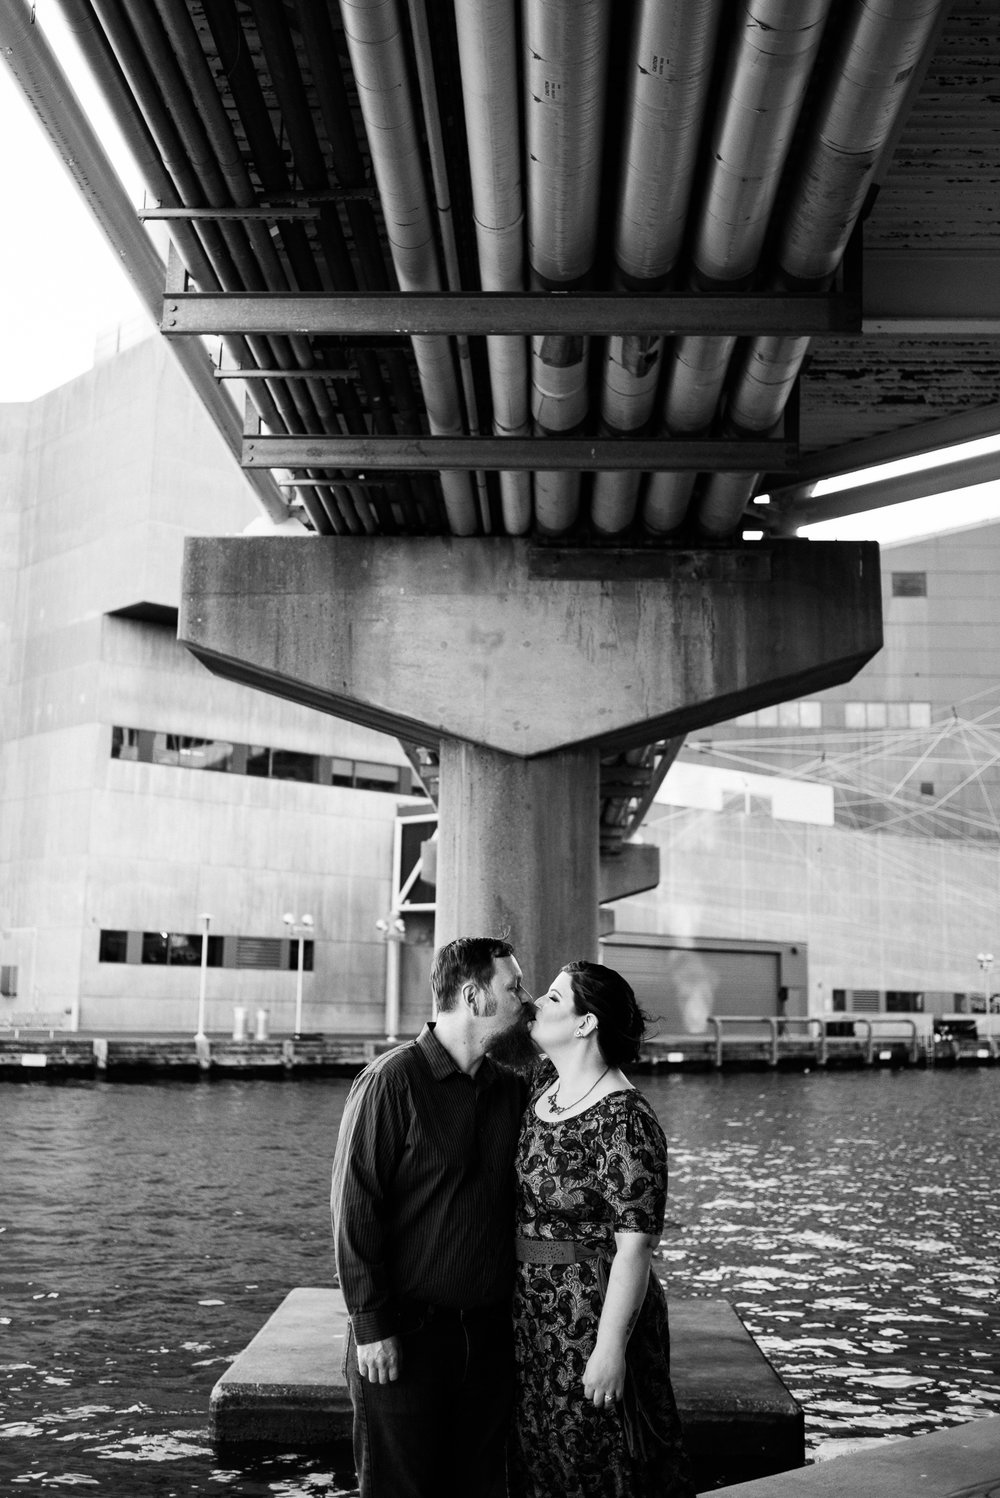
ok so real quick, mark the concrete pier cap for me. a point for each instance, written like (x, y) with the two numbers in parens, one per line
(526, 662)
(530, 649)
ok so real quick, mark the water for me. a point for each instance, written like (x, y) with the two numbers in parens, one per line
(147, 1232)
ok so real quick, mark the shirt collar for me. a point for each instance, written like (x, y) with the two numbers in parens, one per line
(442, 1066)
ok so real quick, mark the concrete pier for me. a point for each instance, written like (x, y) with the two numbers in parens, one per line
(287, 1388)
(963, 1462)
(33, 1054)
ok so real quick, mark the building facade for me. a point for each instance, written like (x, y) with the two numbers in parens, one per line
(140, 794)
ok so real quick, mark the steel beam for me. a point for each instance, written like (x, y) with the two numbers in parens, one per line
(878, 494)
(931, 293)
(517, 454)
(799, 314)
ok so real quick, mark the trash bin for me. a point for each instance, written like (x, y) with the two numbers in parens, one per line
(239, 1024)
(262, 1021)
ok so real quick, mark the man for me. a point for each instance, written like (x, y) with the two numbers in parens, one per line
(423, 1215)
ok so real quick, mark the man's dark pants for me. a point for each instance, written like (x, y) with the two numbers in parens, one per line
(440, 1429)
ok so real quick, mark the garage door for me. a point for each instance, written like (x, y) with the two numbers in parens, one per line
(681, 986)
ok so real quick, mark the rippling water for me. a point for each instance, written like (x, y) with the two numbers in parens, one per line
(147, 1232)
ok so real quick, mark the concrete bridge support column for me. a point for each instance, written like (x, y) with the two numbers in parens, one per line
(527, 664)
(518, 851)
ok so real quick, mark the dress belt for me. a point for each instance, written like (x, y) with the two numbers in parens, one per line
(555, 1251)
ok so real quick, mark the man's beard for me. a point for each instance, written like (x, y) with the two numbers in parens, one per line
(513, 1048)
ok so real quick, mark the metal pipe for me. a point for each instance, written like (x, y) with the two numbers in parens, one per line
(187, 158)
(487, 48)
(108, 75)
(48, 91)
(767, 72)
(164, 96)
(375, 43)
(310, 170)
(764, 86)
(193, 101)
(566, 55)
(424, 58)
(669, 72)
(867, 86)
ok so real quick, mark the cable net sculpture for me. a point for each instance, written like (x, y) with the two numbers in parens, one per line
(942, 781)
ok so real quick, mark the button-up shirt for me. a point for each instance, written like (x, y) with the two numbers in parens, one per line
(423, 1185)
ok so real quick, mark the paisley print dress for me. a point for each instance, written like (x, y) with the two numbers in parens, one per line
(584, 1178)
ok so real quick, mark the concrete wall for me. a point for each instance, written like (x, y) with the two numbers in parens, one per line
(875, 911)
(99, 483)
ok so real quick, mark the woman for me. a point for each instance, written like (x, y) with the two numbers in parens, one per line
(595, 1415)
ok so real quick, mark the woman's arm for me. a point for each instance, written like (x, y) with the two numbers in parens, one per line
(604, 1375)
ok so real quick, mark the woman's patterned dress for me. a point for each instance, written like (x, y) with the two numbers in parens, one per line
(585, 1178)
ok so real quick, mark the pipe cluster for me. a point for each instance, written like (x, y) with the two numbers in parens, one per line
(553, 144)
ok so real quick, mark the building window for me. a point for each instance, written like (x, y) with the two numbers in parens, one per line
(920, 714)
(125, 743)
(839, 1000)
(898, 1001)
(855, 715)
(204, 754)
(909, 585)
(179, 949)
(307, 955)
(289, 764)
(191, 753)
(113, 947)
(371, 777)
(811, 714)
(927, 787)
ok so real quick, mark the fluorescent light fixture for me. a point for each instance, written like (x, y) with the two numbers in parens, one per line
(753, 535)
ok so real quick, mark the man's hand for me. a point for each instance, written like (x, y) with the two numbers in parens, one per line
(379, 1362)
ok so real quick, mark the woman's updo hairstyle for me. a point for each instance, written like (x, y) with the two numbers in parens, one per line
(621, 1024)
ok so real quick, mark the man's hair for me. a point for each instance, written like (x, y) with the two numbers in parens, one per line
(467, 959)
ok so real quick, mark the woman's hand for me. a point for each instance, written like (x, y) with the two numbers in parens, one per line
(604, 1377)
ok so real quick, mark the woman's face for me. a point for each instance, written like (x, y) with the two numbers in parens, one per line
(556, 1016)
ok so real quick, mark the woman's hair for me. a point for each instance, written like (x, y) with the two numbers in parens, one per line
(621, 1024)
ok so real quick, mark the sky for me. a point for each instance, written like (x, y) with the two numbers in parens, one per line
(61, 286)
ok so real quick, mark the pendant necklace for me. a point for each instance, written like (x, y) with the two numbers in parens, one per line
(554, 1107)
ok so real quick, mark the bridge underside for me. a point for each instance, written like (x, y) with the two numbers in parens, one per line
(561, 298)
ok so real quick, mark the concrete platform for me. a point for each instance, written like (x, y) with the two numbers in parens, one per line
(963, 1462)
(286, 1388)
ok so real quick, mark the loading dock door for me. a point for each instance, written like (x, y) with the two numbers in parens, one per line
(681, 986)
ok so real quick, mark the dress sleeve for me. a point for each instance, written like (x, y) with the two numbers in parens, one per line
(635, 1171)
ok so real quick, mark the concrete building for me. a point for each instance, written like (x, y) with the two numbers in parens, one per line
(860, 825)
(138, 793)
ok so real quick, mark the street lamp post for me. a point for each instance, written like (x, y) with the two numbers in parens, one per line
(206, 921)
(985, 960)
(394, 933)
(300, 927)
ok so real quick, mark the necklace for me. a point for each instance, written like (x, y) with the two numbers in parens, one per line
(554, 1107)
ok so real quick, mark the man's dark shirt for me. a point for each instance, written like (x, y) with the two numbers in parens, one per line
(423, 1185)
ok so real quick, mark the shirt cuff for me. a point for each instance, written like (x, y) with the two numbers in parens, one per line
(374, 1326)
